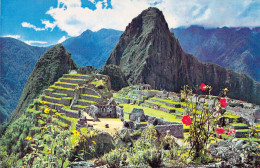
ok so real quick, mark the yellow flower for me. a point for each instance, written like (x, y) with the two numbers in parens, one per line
(75, 132)
(54, 115)
(28, 138)
(226, 89)
(94, 142)
(250, 127)
(45, 127)
(46, 111)
(48, 152)
(58, 114)
(258, 146)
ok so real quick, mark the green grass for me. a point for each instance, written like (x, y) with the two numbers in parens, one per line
(64, 88)
(230, 115)
(72, 120)
(76, 79)
(164, 106)
(60, 94)
(77, 75)
(66, 83)
(238, 124)
(80, 106)
(59, 122)
(244, 130)
(50, 89)
(152, 112)
(88, 101)
(168, 101)
(67, 98)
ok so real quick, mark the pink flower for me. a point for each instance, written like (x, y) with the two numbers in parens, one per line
(231, 132)
(220, 131)
(202, 87)
(223, 102)
(186, 120)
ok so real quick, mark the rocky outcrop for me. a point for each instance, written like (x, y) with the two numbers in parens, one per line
(117, 77)
(49, 68)
(236, 153)
(147, 52)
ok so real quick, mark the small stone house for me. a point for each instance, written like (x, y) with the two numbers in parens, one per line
(110, 110)
(143, 87)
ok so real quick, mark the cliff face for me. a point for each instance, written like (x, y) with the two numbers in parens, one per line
(49, 68)
(147, 52)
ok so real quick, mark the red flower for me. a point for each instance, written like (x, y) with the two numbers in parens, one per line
(186, 120)
(202, 87)
(223, 102)
(220, 131)
(231, 132)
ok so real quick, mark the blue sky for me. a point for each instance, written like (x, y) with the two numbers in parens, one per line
(46, 22)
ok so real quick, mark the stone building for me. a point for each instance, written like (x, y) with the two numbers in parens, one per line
(110, 110)
(143, 87)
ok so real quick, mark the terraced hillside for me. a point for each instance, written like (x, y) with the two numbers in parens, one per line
(170, 107)
(72, 95)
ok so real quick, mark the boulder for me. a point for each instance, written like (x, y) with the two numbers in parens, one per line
(175, 130)
(236, 153)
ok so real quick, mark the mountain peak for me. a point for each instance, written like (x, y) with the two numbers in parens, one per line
(55, 62)
(150, 19)
(148, 53)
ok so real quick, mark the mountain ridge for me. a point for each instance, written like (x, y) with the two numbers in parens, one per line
(17, 60)
(55, 62)
(147, 52)
(234, 48)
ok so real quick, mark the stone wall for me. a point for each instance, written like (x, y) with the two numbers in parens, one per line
(65, 101)
(76, 76)
(70, 93)
(96, 99)
(122, 100)
(80, 82)
(69, 113)
(66, 85)
(64, 120)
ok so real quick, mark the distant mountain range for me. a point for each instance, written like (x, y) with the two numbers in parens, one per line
(17, 60)
(147, 52)
(234, 48)
(92, 48)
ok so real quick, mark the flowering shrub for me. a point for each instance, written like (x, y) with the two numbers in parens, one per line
(203, 87)
(231, 132)
(203, 125)
(186, 120)
(220, 131)
(223, 102)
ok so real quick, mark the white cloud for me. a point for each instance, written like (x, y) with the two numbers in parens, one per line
(31, 42)
(63, 38)
(29, 25)
(48, 24)
(71, 17)
(13, 36)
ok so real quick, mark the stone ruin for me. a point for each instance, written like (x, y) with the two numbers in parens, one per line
(110, 110)
(143, 87)
(162, 127)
